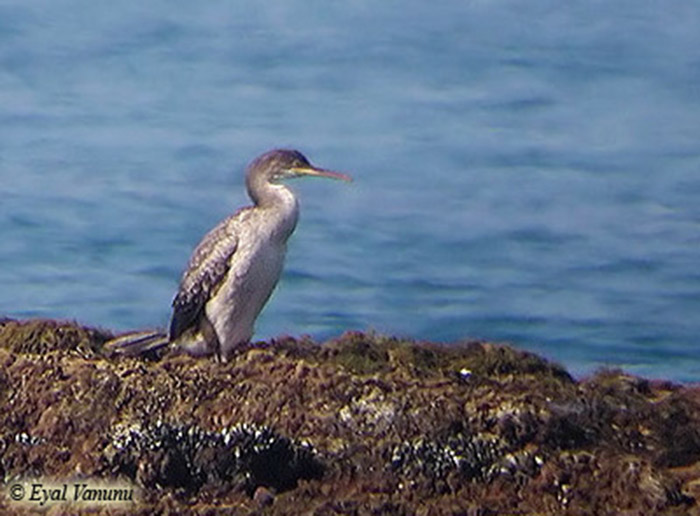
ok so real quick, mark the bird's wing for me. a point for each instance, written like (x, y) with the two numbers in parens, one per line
(208, 265)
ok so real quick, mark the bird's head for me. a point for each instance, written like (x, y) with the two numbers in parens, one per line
(280, 164)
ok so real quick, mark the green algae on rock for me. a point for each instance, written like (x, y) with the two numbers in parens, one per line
(362, 424)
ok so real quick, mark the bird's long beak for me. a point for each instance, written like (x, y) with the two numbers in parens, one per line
(319, 172)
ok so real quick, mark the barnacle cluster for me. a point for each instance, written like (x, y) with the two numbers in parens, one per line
(477, 457)
(471, 456)
(170, 455)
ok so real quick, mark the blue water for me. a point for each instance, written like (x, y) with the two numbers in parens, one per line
(525, 172)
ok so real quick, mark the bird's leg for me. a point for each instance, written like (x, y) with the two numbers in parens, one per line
(211, 338)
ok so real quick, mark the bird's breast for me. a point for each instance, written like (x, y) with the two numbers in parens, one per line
(255, 269)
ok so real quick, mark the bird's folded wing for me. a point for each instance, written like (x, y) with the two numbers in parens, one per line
(207, 267)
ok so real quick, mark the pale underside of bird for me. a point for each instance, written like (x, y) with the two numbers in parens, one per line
(235, 268)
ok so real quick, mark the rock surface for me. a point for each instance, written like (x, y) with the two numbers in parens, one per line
(363, 424)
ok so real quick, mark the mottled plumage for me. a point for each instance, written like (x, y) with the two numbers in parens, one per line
(236, 266)
(209, 263)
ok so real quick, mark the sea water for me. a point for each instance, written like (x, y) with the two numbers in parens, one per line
(525, 172)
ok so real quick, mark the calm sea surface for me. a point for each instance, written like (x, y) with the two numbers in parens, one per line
(525, 172)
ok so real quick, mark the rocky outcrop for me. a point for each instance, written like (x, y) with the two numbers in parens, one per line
(361, 424)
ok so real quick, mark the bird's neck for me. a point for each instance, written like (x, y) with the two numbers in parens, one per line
(279, 203)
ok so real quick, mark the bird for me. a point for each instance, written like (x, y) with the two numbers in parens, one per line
(234, 269)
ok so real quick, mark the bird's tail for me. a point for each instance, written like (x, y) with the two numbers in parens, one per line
(137, 342)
